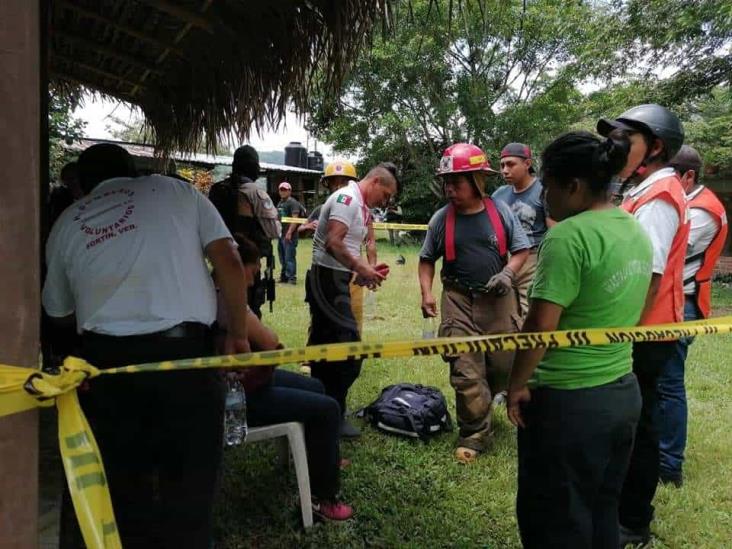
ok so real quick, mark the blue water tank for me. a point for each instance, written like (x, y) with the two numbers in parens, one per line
(296, 155)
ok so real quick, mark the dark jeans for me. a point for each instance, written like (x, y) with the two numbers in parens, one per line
(636, 509)
(332, 321)
(293, 397)
(160, 436)
(573, 455)
(672, 409)
(288, 259)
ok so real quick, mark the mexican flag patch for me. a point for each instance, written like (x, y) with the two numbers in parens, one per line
(344, 199)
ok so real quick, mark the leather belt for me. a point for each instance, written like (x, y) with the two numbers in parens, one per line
(184, 330)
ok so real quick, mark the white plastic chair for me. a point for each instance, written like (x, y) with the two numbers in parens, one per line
(295, 440)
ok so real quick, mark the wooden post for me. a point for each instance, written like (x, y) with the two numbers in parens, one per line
(20, 67)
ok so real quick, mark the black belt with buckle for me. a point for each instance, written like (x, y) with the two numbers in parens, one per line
(464, 288)
(184, 330)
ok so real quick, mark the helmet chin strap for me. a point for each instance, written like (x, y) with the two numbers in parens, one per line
(481, 194)
(642, 168)
(640, 172)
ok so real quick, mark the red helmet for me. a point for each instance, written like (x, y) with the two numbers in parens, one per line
(462, 158)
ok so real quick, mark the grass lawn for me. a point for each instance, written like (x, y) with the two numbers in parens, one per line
(410, 494)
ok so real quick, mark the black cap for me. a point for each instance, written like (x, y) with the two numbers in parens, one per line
(516, 149)
(686, 159)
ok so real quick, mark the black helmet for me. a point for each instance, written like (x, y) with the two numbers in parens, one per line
(651, 119)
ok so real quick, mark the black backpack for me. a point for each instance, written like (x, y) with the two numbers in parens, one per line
(409, 410)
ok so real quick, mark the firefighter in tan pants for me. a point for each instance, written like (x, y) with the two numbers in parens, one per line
(483, 247)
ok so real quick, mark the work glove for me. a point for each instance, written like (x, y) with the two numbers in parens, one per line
(502, 283)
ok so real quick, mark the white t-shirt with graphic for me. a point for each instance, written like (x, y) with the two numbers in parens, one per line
(128, 259)
(345, 205)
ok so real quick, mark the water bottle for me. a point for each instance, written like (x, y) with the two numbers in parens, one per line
(235, 416)
(428, 327)
(370, 304)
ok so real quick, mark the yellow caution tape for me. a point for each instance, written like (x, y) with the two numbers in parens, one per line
(377, 225)
(85, 475)
(25, 388)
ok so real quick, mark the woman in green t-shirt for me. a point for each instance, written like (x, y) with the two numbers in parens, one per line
(577, 422)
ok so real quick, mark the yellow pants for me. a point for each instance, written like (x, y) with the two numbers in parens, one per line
(357, 305)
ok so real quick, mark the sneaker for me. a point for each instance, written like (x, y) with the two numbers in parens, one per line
(639, 537)
(348, 430)
(344, 463)
(332, 511)
(499, 399)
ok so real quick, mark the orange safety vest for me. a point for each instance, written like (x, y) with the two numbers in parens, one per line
(669, 304)
(708, 201)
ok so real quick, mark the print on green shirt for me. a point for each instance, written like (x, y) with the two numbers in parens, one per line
(596, 265)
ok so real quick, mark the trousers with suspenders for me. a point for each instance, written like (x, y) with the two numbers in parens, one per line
(476, 377)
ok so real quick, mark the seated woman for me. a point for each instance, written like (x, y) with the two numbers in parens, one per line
(278, 396)
(577, 422)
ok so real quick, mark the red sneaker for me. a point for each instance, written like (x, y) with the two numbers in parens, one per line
(332, 511)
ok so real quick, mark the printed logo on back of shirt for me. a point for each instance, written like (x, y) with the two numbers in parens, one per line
(117, 221)
(344, 199)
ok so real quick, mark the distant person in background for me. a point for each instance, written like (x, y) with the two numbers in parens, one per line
(287, 244)
(524, 195)
(393, 215)
(64, 194)
(706, 239)
(249, 210)
(482, 246)
(60, 341)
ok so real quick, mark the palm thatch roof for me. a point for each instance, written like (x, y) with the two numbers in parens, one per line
(198, 68)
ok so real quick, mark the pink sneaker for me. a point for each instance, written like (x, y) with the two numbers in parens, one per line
(332, 511)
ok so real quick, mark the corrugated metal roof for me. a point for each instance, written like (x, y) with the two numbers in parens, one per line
(148, 151)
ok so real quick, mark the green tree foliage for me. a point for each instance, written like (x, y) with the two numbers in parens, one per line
(495, 71)
(709, 129)
(132, 130)
(488, 72)
(62, 127)
(690, 38)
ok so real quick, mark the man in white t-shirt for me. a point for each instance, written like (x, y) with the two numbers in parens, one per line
(127, 265)
(342, 227)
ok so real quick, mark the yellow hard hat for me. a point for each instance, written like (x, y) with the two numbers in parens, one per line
(340, 168)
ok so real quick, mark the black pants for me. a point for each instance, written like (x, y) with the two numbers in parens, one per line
(293, 397)
(160, 436)
(573, 455)
(636, 509)
(332, 321)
